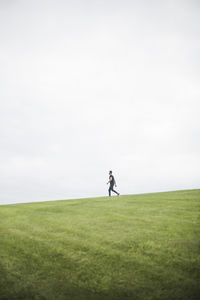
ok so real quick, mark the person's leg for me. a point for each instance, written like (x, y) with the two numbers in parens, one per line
(115, 192)
(109, 191)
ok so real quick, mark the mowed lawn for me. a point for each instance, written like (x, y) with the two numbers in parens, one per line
(129, 247)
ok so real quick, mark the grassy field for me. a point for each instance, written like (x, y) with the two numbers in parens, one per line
(138, 247)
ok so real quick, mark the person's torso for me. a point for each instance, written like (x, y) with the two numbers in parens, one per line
(112, 181)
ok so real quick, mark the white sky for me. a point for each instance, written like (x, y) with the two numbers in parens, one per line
(91, 86)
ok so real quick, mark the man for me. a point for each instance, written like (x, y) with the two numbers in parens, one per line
(112, 184)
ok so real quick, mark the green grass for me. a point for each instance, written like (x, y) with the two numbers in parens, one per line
(138, 247)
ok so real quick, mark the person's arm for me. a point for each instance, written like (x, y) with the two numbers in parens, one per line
(115, 183)
(109, 180)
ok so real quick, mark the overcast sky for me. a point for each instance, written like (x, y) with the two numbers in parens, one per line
(90, 86)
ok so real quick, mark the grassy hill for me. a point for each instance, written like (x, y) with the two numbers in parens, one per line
(138, 247)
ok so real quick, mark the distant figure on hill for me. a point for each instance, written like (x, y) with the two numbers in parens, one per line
(112, 184)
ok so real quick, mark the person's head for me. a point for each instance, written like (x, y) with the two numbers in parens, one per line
(110, 173)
